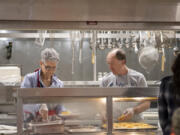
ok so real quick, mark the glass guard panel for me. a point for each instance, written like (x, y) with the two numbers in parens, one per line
(72, 115)
(135, 114)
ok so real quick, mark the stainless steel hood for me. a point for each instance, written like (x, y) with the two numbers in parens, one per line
(73, 14)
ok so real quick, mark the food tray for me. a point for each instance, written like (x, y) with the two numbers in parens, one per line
(7, 127)
(132, 126)
(152, 128)
(84, 130)
(36, 124)
(48, 127)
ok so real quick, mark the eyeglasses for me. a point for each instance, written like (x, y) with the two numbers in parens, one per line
(49, 67)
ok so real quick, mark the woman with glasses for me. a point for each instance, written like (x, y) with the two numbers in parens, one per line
(44, 77)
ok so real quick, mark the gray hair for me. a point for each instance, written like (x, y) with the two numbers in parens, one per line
(176, 122)
(49, 54)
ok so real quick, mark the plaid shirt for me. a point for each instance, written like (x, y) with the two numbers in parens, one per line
(167, 105)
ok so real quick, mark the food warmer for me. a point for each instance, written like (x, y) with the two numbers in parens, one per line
(93, 106)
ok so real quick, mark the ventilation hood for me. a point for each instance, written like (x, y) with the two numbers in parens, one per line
(70, 14)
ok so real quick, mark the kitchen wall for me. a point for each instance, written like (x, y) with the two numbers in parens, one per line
(26, 54)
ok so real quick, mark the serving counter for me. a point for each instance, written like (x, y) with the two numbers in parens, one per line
(88, 100)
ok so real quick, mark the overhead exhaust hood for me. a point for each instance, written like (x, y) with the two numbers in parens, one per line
(90, 14)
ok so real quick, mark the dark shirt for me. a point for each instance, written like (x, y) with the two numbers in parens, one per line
(167, 104)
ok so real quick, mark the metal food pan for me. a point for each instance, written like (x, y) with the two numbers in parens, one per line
(57, 128)
(137, 129)
(84, 130)
(48, 127)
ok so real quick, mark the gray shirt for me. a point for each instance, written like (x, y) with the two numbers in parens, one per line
(131, 79)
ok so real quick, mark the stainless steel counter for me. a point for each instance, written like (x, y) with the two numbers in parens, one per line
(104, 133)
(117, 133)
(138, 133)
(97, 83)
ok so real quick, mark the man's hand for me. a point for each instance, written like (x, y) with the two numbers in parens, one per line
(127, 114)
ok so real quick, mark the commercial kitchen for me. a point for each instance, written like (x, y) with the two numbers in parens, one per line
(83, 32)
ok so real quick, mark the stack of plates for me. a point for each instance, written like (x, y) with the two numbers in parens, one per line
(5, 129)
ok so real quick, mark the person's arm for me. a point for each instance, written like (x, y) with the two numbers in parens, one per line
(27, 82)
(57, 82)
(30, 110)
(104, 82)
(141, 107)
(142, 81)
(101, 84)
(58, 107)
(145, 104)
(130, 112)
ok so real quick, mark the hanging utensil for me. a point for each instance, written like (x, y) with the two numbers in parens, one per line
(42, 36)
(148, 57)
(117, 40)
(93, 47)
(140, 40)
(113, 39)
(120, 43)
(153, 38)
(72, 35)
(109, 41)
(163, 60)
(158, 39)
(91, 39)
(127, 45)
(92, 58)
(73, 57)
(176, 50)
(171, 40)
(80, 47)
(98, 42)
(161, 38)
(109, 45)
(101, 45)
(51, 36)
(135, 47)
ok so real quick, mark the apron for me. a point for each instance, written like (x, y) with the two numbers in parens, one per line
(31, 111)
(39, 85)
(120, 107)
